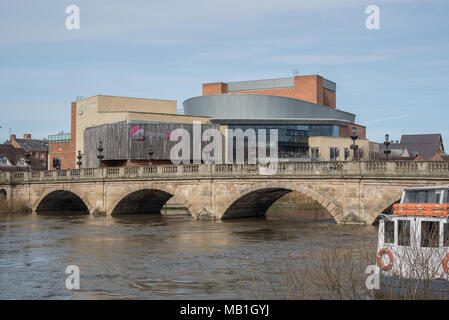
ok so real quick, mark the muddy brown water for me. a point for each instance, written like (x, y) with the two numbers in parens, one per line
(154, 256)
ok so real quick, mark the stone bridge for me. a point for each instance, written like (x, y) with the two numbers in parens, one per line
(352, 192)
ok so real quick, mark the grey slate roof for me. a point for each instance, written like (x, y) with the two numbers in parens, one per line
(33, 144)
(426, 145)
(423, 145)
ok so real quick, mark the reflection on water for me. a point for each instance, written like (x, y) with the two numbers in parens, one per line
(153, 256)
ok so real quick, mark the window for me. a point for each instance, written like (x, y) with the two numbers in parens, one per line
(334, 153)
(314, 152)
(404, 232)
(446, 234)
(4, 161)
(446, 196)
(422, 196)
(389, 232)
(430, 234)
(21, 162)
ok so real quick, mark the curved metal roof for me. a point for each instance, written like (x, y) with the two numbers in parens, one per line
(262, 107)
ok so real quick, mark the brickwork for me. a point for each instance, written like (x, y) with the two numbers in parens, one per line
(307, 88)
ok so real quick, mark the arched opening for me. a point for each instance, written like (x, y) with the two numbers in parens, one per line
(298, 206)
(143, 201)
(62, 201)
(276, 203)
(3, 194)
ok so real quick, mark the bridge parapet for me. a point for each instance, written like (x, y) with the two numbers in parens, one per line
(427, 169)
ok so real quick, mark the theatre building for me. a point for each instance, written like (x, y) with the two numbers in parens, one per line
(299, 107)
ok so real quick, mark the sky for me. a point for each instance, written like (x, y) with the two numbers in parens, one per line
(395, 79)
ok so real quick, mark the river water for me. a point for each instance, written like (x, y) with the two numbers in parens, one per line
(156, 257)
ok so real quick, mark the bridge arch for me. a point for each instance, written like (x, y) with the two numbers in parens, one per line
(257, 198)
(57, 199)
(387, 201)
(145, 199)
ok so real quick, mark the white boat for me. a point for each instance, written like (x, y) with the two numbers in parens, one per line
(413, 245)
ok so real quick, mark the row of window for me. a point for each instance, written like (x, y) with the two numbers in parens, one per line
(430, 233)
(38, 155)
(5, 162)
(334, 153)
(62, 137)
(426, 196)
(293, 133)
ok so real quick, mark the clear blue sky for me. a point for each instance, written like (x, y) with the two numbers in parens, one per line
(395, 79)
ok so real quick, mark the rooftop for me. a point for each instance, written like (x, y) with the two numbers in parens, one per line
(14, 154)
(30, 144)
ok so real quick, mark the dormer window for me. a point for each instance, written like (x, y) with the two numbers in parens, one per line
(21, 162)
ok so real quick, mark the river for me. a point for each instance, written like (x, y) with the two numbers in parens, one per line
(155, 256)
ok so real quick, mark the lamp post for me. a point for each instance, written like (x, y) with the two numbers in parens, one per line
(150, 153)
(28, 158)
(100, 155)
(387, 144)
(79, 157)
(354, 147)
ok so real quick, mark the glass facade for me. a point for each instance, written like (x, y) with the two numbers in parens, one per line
(61, 137)
(292, 139)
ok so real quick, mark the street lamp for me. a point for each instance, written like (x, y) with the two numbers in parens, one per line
(28, 158)
(100, 155)
(150, 153)
(354, 147)
(387, 144)
(79, 157)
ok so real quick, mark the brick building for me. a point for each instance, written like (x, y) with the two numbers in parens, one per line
(15, 159)
(311, 88)
(37, 148)
(62, 149)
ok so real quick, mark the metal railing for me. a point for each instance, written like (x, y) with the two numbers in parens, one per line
(417, 169)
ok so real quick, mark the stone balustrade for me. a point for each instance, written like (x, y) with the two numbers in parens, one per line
(425, 169)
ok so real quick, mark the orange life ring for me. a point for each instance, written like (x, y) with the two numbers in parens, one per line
(445, 261)
(379, 259)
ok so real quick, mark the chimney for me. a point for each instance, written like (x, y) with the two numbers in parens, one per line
(27, 136)
(13, 137)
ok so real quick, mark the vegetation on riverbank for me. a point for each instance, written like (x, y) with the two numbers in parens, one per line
(339, 272)
(14, 206)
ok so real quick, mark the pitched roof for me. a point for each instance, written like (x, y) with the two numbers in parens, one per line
(33, 144)
(11, 153)
(14, 154)
(425, 145)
